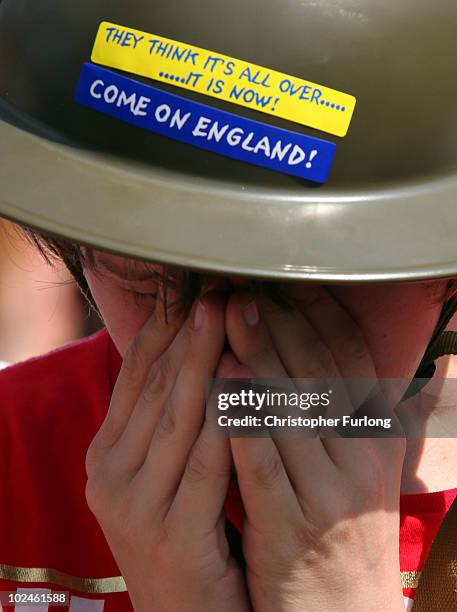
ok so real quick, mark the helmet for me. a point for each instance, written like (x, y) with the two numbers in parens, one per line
(384, 210)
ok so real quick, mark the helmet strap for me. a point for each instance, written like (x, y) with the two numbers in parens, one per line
(442, 342)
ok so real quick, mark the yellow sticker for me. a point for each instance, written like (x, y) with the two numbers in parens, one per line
(225, 78)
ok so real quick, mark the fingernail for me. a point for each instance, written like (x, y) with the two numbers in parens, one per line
(199, 316)
(251, 314)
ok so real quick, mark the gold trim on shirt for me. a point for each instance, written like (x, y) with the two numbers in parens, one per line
(410, 580)
(115, 584)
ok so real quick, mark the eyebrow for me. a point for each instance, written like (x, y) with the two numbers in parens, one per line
(136, 270)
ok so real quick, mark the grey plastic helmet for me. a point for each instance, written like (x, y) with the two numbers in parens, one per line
(387, 212)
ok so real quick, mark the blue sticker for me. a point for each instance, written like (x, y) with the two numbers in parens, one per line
(203, 126)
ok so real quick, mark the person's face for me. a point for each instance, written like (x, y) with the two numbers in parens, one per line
(396, 320)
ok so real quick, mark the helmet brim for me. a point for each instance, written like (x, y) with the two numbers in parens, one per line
(404, 233)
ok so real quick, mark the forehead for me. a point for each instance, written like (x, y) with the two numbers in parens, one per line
(140, 270)
(125, 267)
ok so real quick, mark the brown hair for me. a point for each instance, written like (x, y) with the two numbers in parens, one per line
(189, 283)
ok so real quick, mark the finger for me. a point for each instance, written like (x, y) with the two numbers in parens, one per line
(303, 354)
(342, 336)
(207, 474)
(250, 339)
(267, 493)
(305, 357)
(180, 422)
(348, 347)
(358, 455)
(230, 367)
(299, 346)
(154, 409)
(130, 450)
(253, 345)
(268, 496)
(150, 343)
(337, 329)
(200, 498)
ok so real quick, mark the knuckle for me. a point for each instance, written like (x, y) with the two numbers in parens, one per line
(104, 439)
(158, 381)
(96, 494)
(319, 358)
(107, 487)
(353, 344)
(267, 471)
(167, 423)
(153, 391)
(344, 533)
(358, 348)
(200, 465)
(92, 457)
(114, 510)
(308, 536)
(196, 468)
(97, 449)
(134, 364)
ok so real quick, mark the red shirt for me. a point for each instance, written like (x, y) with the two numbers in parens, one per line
(50, 409)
